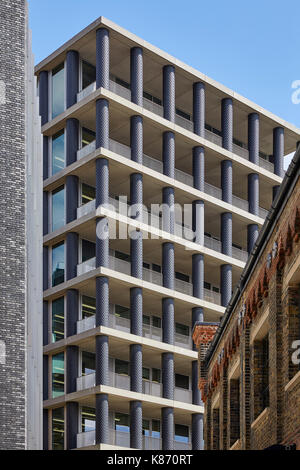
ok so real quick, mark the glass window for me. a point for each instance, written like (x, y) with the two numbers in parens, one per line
(146, 427)
(58, 429)
(123, 312)
(182, 381)
(58, 264)
(88, 74)
(58, 151)
(58, 208)
(88, 307)
(156, 428)
(88, 419)
(156, 268)
(58, 375)
(182, 277)
(156, 375)
(181, 433)
(87, 136)
(121, 367)
(88, 363)
(122, 422)
(156, 322)
(88, 250)
(182, 329)
(58, 319)
(146, 373)
(58, 90)
(88, 193)
(146, 320)
(123, 256)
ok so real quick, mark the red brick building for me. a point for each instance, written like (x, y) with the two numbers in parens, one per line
(249, 373)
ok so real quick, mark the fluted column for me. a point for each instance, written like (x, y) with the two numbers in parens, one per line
(102, 360)
(136, 139)
(72, 424)
(102, 58)
(226, 233)
(253, 193)
(71, 255)
(102, 181)
(71, 198)
(227, 124)
(226, 181)
(136, 308)
(72, 357)
(197, 432)
(72, 77)
(167, 418)
(253, 138)
(278, 150)
(199, 108)
(168, 375)
(168, 265)
(136, 250)
(169, 154)
(102, 301)
(45, 212)
(226, 284)
(198, 168)
(136, 75)
(198, 275)
(44, 96)
(136, 368)
(195, 390)
(168, 320)
(169, 92)
(136, 237)
(102, 419)
(72, 314)
(72, 140)
(136, 425)
(102, 198)
(252, 234)
(168, 212)
(198, 222)
(102, 123)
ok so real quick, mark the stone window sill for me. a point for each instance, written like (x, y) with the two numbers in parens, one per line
(260, 417)
(293, 382)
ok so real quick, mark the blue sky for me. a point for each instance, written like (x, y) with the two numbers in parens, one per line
(251, 47)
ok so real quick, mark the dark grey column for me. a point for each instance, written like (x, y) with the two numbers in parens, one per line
(226, 181)
(278, 150)
(252, 234)
(168, 320)
(102, 360)
(167, 418)
(45, 213)
(226, 284)
(275, 191)
(197, 432)
(136, 139)
(253, 193)
(198, 168)
(71, 198)
(195, 390)
(72, 425)
(72, 315)
(45, 323)
(226, 233)
(136, 425)
(169, 154)
(102, 420)
(136, 251)
(136, 75)
(102, 181)
(136, 196)
(169, 92)
(72, 255)
(45, 268)
(168, 265)
(227, 124)
(72, 77)
(168, 375)
(43, 97)
(197, 316)
(72, 368)
(136, 368)
(102, 301)
(198, 222)
(168, 212)
(199, 108)
(253, 138)
(45, 429)
(72, 140)
(102, 243)
(102, 58)
(45, 377)
(136, 309)
(198, 275)
(45, 157)
(102, 123)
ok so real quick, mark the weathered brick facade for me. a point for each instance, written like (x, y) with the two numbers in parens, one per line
(249, 377)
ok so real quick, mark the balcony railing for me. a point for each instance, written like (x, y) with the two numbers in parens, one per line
(181, 121)
(85, 439)
(86, 381)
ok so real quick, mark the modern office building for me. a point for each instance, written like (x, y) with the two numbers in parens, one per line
(249, 365)
(21, 325)
(122, 119)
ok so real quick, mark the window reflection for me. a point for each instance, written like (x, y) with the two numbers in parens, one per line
(58, 375)
(58, 152)
(58, 208)
(58, 319)
(58, 264)
(58, 429)
(58, 90)
(88, 74)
